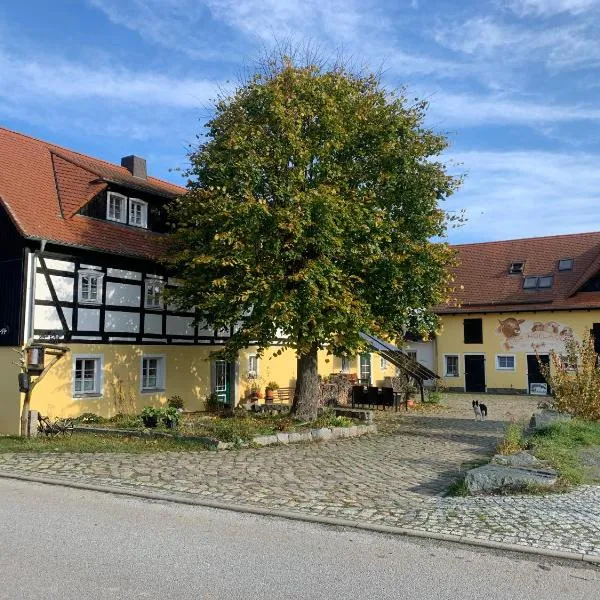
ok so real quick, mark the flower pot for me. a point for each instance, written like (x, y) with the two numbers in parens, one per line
(269, 396)
(150, 421)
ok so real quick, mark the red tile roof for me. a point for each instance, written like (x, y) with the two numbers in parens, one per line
(487, 285)
(42, 186)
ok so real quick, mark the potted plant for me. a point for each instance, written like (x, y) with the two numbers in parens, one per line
(150, 416)
(170, 417)
(269, 395)
(254, 392)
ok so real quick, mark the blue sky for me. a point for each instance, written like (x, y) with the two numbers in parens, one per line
(513, 83)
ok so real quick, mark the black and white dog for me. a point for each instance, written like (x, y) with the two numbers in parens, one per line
(480, 410)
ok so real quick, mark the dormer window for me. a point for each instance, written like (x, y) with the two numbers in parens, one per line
(153, 295)
(565, 264)
(537, 282)
(516, 268)
(90, 287)
(138, 212)
(116, 208)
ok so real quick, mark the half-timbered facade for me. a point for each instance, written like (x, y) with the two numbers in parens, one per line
(80, 242)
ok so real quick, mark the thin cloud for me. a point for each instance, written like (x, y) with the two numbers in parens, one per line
(548, 8)
(474, 110)
(524, 193)
(570, 46)
(56, 78)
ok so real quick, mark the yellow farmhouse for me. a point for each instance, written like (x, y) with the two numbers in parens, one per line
(515, 299)
(79, 242)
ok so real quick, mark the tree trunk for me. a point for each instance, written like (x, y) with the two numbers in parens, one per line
(306, 396)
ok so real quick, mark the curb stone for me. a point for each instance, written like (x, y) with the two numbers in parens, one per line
(313, 435)
(296, 516)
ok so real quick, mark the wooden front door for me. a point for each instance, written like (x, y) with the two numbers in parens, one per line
(474, 373)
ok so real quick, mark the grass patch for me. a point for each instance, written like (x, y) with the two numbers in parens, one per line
(561, 444)
(238, 428)
(458, 488)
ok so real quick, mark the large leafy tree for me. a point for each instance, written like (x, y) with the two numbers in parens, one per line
(312, 203)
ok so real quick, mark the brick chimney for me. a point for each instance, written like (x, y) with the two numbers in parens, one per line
(135, 165)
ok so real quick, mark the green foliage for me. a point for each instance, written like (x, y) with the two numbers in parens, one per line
(170, 416)
(175, 402)
(514, 439)
(575, 380)
(272, 385)
(311, 208)
(121, 421)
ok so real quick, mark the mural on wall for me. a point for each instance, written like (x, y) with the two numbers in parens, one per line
(530, 336)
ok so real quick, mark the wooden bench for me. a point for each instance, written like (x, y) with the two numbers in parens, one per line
(285, 395)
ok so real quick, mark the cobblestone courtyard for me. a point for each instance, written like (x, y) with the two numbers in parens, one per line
(394, 478)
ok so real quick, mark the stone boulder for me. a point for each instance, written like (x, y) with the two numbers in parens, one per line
(494, 477)
(521, 460)
(545, 418)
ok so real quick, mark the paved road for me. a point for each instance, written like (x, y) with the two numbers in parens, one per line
(392, 479)
(66, 544)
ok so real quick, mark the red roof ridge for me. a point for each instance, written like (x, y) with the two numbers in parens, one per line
(57, 148)
(524, 239)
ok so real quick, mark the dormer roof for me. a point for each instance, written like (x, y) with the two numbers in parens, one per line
(43, 186)
(489, 286)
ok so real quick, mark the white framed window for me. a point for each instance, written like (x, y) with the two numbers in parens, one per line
(569, 363)
(153, 373)
(138, 212)
(87, 375)
(153, 293)
(451, 365)
(90, 287)
(252, 366)
(505, 362)
(383, 364)
(116, 207)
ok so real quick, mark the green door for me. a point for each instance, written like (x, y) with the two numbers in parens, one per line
(223, 381)
(365, 369)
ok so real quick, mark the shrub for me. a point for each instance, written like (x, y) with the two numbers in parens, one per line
(574, 380)
(514, 441)
(272, 385)
(90, 418)
(213, 404)
(175, 402)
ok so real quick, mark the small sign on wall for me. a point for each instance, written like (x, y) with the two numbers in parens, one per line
(538, 389)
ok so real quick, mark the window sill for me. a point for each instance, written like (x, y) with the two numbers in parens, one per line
(504, 369)
(453, 376)
(87, 395)
(153, 391)
(91, 302)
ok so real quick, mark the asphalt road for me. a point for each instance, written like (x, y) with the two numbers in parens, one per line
(72, 544)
